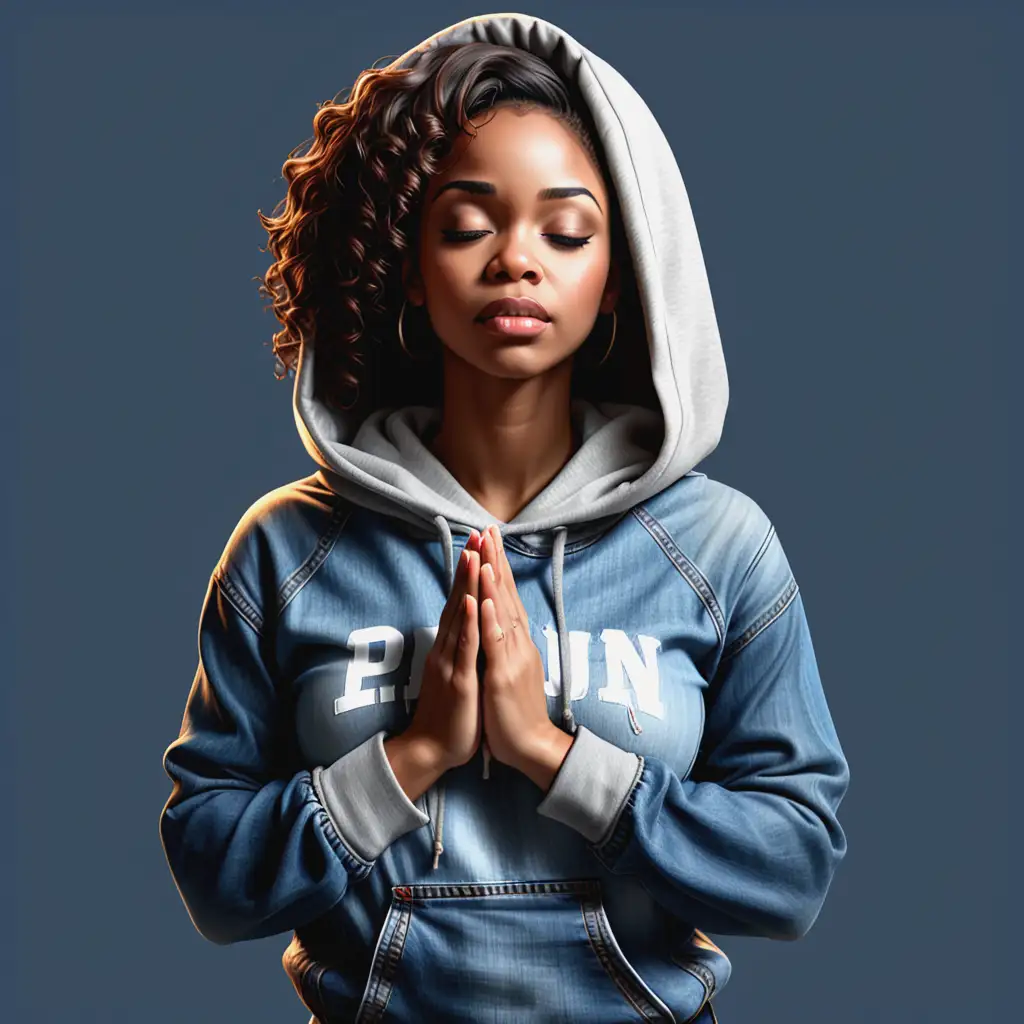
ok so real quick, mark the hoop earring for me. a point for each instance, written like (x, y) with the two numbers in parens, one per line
(401, 337)
(615, 325)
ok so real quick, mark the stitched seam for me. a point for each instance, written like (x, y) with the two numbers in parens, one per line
(391, 957)
(650, 1003)
(302, 575)
(763, 621)
(487, 890)
(604, 956)
(686, 568)
(233, 594)
(707, 991)
(758, 555)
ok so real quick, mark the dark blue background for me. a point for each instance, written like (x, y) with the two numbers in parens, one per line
(850, 172)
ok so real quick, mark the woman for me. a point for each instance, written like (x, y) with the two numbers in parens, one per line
(614, 740)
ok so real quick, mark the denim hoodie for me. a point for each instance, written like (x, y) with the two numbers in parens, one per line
(701, 788)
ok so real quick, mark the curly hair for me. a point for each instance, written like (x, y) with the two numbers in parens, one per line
(351, 213)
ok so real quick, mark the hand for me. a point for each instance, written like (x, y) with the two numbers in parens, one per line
(518, 730)
(448, 718)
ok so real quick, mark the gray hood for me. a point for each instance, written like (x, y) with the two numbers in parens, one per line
(628, 453)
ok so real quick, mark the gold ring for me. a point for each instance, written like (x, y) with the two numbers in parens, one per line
(515, 623)
(501, 635)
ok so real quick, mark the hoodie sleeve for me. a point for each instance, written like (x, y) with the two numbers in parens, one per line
(256, 847)
(748, 843)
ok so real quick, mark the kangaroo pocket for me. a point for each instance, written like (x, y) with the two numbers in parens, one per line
(519, 951)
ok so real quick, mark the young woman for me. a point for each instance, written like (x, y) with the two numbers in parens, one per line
(506, 707)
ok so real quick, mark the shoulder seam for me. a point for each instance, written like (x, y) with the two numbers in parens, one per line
(304, 573)
(758, 555)
(687, 569)
(764, 620)
(233, 593)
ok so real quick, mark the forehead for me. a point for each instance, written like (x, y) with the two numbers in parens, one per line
(531, 150)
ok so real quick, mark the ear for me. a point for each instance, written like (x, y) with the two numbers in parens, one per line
(412, 283)
(612, 288)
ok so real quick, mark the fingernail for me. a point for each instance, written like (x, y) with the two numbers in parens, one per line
(489, 569)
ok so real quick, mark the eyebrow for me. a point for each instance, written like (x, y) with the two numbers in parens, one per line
(486, 188)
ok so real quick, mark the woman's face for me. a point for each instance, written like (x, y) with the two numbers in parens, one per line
(518, 243)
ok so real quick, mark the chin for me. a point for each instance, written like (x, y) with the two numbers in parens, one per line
(520, 358)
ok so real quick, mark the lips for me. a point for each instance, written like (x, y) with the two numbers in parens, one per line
(513, 306)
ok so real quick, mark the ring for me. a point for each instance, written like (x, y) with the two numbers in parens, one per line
(515, 623)
(500, 636)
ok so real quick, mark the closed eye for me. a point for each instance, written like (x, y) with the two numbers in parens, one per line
(565, 241)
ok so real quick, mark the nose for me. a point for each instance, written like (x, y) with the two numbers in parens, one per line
(514, 260)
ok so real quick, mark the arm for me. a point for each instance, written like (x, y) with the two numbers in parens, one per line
(748, 843)
(255, 847)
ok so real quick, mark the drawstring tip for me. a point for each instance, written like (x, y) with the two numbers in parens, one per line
(438, 850)
(632, 720)
(487, 761)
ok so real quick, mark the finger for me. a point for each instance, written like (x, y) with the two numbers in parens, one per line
(514, 603)
(488, 551)
(490, 629)
(451, 638)
(469, 639)
(451, 607)
(472, 579)
(504, 605)
(492, 589)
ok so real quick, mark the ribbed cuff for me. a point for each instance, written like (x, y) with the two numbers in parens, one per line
(592, 785)
(365, 801)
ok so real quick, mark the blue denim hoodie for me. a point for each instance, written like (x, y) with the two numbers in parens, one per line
(701, 789)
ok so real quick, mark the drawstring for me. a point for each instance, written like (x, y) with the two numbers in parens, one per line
(565, 661)
(449, 571)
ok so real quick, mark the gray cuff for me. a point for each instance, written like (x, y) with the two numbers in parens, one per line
(365, 801)
(592, 785)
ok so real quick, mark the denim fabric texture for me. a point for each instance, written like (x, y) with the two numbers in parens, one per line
(728, 825)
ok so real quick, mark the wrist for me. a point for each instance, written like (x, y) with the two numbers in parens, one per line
(416, 761)
(540, 764)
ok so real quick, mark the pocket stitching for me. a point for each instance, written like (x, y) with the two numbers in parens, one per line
(600, 937)
(636, 993)
(709, 987)
(371, 1009)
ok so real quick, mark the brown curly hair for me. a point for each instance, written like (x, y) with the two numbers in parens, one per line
(352, 210)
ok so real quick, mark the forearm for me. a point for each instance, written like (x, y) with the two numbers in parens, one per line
(416, 766)
(543, 762)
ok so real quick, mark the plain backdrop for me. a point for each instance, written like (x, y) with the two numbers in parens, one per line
(853, 174)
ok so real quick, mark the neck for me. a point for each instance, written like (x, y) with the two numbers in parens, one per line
(504, 440)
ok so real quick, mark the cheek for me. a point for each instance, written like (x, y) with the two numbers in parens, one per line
(442, 287)
(588, 278)
(446, 272)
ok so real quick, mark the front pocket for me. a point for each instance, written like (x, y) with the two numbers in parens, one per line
(536, 951)
(708, 964)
